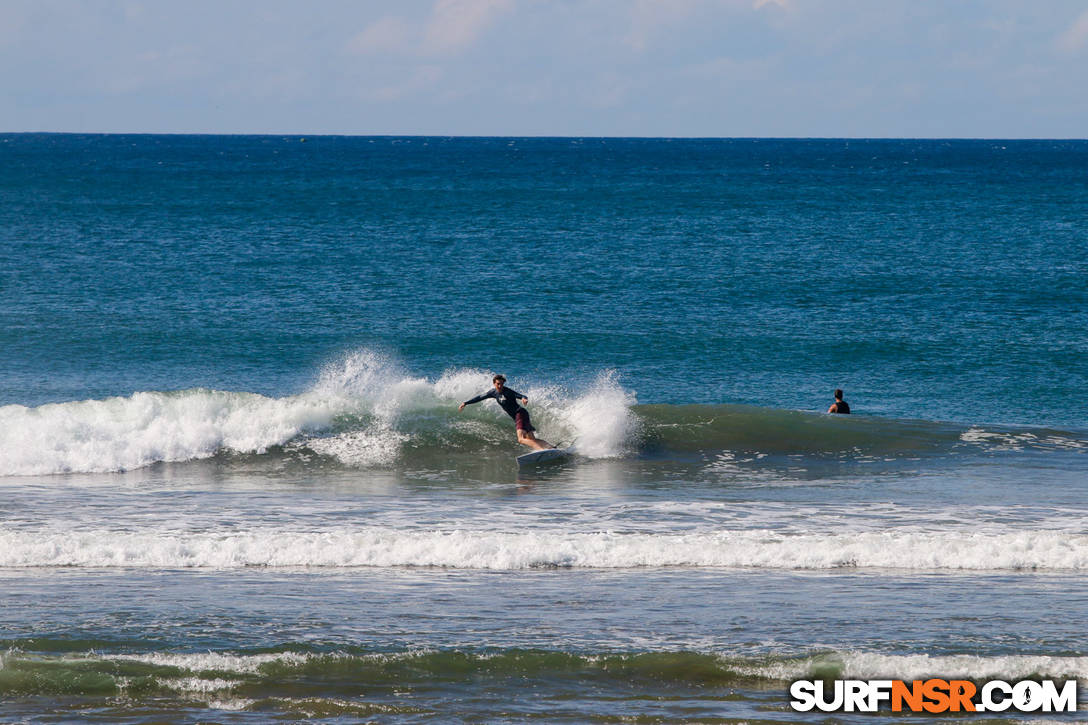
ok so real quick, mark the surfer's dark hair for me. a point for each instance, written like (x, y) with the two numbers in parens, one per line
(838, 393)
(497, 378)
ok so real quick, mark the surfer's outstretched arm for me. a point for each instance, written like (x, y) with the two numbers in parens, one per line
(477, 399)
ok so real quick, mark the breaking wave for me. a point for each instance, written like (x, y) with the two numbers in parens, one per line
(365, 411)
(246, 676)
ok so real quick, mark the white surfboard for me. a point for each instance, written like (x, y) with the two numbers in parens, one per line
(545, 456)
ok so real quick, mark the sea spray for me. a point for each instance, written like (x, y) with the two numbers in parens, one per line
(362, 411)
(370, 380)
(601, 418)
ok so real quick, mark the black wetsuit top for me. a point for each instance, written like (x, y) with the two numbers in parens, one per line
(841, 406)
(508, 399)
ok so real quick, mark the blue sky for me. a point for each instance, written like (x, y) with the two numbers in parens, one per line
(841, 68)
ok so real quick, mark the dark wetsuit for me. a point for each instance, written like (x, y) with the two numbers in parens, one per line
(841, 406)
(508, 400)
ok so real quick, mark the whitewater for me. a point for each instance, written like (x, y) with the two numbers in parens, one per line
(351, 413)
(383, 547)
(364, 411)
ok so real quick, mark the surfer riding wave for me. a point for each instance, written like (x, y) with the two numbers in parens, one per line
(508, 399)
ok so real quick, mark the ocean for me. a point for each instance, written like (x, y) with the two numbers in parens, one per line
(236, 487)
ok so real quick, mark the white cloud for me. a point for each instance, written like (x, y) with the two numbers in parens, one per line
(455, 24)
(1075, 37)
(451, 26)
(387, 34)
(648, 17)
(657, 20)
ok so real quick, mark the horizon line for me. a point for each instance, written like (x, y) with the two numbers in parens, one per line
(326, 134)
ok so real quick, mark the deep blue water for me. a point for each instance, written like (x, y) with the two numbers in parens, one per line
(936, 279)
(236, 486)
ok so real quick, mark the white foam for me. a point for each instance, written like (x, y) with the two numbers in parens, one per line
(211, 661)
(458, 385)
(601, 418)
(196, 685)
(385, 547)
(849, 664)
(376, 446)
(370, 381)
(232, 705)
(1018, 441)
(365, 388)
(871, 665)
(117, 434)
(374, 382)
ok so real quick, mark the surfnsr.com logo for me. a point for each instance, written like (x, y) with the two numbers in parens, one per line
(933, 696)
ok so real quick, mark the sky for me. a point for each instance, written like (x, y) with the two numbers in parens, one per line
(721, 68)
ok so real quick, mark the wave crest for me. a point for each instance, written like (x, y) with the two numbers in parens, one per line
(117, 434)
(363, 410)
(257, 673)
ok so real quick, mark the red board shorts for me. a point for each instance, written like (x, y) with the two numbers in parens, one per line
(521, 421)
